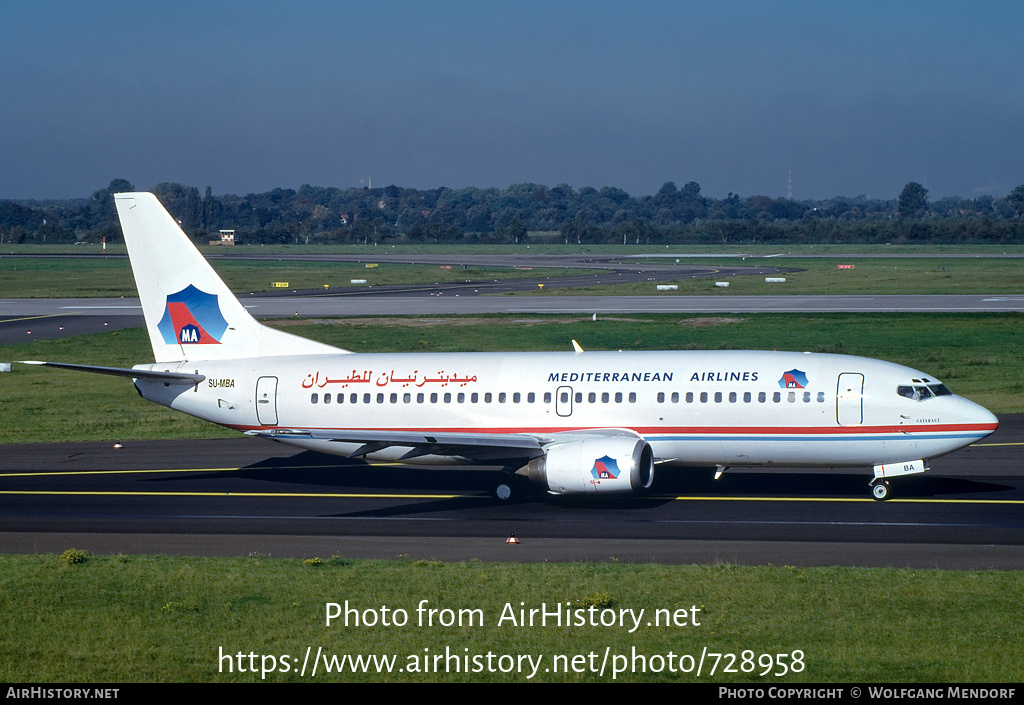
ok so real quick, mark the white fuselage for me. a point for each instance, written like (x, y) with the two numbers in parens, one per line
(729, 408)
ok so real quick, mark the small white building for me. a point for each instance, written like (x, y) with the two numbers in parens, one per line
(227, 237)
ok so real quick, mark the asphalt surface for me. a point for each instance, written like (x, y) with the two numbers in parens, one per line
(243, 496)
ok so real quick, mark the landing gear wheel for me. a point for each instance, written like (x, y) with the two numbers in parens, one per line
(880, 490)
(503, 491)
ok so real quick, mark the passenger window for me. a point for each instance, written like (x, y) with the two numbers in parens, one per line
(419, 398)
(327, 398)
(746, 397)
(821, 396)
(718, 397)
(474, 397)
(447, 397)
(353, 398)
(501, 398)
(777, 397)
(366, 398)
(605, 397)
(661, 397)
(313, 398)
(461, 398)
(632, 397)
(487, 398)
(592, 397)
(675, 397)
(689, 397)
(703, 397)
(579, 397)
(762, 397)
(807, 397)
(516, 396)
(618, 397)
(531, 397)
(547, 397)
(406, 398)
(394, 398)
(380, 398)
(433, 398)
(732, 397)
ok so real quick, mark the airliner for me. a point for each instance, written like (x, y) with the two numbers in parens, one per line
(574, 422)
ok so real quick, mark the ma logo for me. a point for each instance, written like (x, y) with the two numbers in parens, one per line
(794, 379)
(605, 469)
(189, 334)
(192, 317)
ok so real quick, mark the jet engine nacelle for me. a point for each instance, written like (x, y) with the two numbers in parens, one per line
(607, 465)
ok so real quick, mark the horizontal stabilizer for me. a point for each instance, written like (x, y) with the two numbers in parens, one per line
(184, 378)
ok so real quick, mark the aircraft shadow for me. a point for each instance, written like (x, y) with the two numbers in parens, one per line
(313, 471)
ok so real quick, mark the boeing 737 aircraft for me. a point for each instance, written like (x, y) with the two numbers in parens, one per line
(574, 422)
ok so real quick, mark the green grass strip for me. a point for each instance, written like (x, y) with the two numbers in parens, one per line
(156, 618)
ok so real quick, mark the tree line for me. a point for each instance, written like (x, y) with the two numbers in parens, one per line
(529, 213)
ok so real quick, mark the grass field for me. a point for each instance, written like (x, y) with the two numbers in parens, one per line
(822, 276)
(552, 248)
(124, 619)
(87, 277)
(45, 277)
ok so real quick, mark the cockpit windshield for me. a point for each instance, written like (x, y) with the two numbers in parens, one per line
(921, 392)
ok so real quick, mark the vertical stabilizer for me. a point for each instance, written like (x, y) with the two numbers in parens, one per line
(190, 312)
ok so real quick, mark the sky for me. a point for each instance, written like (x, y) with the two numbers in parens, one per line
(843, 98)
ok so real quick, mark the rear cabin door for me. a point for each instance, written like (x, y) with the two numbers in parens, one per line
(266, 401)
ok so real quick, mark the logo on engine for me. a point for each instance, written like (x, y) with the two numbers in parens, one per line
(605, 469)
(192, 317)
(793, 379)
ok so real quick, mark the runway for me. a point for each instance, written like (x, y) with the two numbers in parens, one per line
(248, 496)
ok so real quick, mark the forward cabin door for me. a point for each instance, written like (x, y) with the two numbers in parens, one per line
(266, 401)
(850, 399)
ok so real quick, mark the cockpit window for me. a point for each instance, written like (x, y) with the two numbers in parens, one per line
(921, 392)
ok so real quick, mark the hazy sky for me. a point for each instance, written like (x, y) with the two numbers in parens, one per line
(852, 97)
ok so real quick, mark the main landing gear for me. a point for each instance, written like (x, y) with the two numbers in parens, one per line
(508, 487)
(503, 491)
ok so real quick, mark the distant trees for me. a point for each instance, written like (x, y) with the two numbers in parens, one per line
(1016, 199)
(913, 200)
(524, 212)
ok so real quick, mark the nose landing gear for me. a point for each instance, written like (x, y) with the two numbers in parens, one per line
(880, 490)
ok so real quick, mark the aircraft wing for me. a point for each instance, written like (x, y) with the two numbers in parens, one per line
(473, 446)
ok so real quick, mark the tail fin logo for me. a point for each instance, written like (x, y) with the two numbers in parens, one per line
(192, 317)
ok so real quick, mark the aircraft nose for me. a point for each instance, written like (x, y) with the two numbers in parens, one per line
(970, 413)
